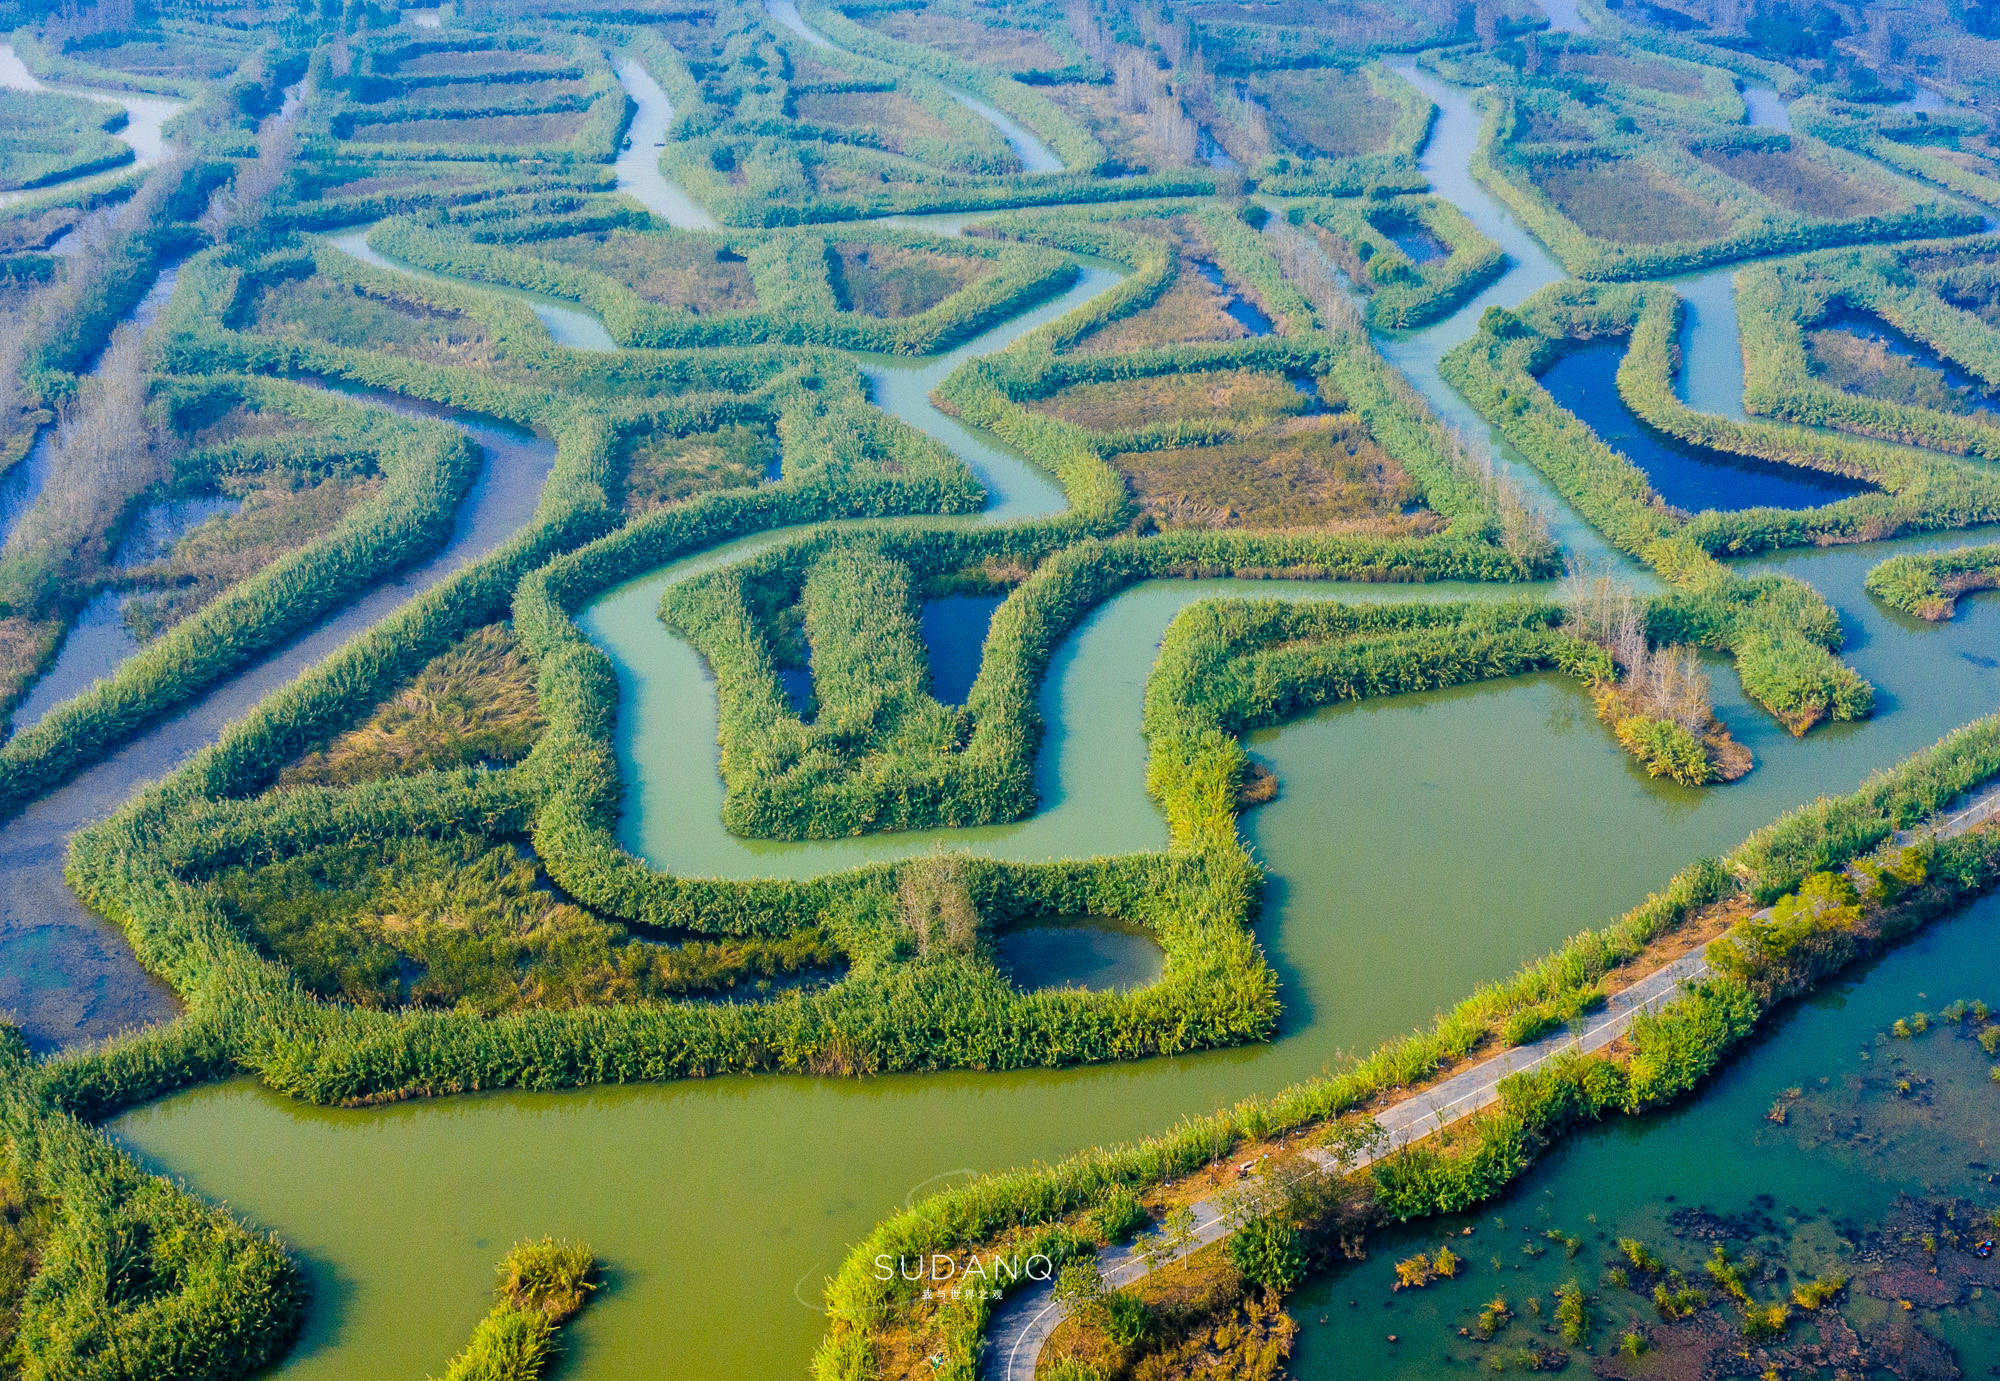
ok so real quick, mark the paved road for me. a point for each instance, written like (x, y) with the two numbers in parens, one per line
(1023, 1323)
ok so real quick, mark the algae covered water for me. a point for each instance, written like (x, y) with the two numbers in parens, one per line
(1832, 1147)
(721, 1205)
(1419, 845)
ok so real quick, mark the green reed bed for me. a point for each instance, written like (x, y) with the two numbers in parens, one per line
(1401, 293)
(1780, 632)
(1930, 585)
(1000, 1220)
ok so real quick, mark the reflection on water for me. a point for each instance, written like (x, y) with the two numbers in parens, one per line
(1585, 381)
(1510, 793)
(954, 629)
(1080, 952)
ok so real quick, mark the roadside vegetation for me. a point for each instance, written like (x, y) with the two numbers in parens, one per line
(379, 251)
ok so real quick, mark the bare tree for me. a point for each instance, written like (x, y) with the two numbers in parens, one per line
(1661, 683)
(104, 451)
(243, 204)
(1089, 34)
(13, 355)
(1314, 275)
(1179, 137)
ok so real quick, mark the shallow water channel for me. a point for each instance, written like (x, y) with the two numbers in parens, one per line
(141, 132)
(721, 1205)
(1802, 1147)
(65, 976)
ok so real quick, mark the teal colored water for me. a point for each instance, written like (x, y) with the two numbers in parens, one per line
(1803, 1195)
(1418, 846)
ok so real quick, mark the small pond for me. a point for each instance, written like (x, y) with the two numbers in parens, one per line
(157, 526)
(1247, 314)
(954, 629)
(1959, 389)
(1766, 108)
(1080, 952)
(797, 684)
(1308, 388)
(1585, 381)
(1415, 239)
(1209, 151)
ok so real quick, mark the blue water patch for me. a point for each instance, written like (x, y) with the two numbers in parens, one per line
(1308, 388)
(1979, 395)
(1213, 154)
(156, 527)
(1414, 239)
(1247, 314)
(954, 629)
(797, 684)
(1080, 952)
(1585, 381)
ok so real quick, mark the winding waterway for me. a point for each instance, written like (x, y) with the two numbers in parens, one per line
(720, 1205)
(142, 130)
(65, 975)
(1033, 155)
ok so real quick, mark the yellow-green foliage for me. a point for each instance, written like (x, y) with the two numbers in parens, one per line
(472, 706)
(543, 1284)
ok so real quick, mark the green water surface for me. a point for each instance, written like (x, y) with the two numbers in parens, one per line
(1419, 846)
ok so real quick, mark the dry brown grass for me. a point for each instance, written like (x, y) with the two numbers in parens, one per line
(474, 704)
(105, 450)
(993, 45)
(1132, 138)
(1623, 200)
(242, 423)
(1651, 76)
(668, 469)
(1212, 1328)
(675, 271)
(478, 95)
(400, 177)
(1801, 183)
(1326, 112)
(1188, 311)
(891, 281)
(333, 313)
(1244, 396)
(275, 519)
(459, 62)
(896, 118)
(25, 644)
(1861, 364)
(1306, 472)
(498, 131)
(1191, 309)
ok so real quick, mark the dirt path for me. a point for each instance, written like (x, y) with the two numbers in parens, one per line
(1022, 1325)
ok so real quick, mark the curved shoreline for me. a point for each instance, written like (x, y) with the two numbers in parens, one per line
(44, 927)
(629, 711)
(142, 133)
(1034, 155)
